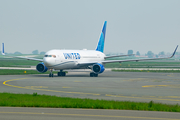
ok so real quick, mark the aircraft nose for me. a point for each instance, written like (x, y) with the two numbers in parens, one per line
(46, 61)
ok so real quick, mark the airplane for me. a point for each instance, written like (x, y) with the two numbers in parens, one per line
(95, 60)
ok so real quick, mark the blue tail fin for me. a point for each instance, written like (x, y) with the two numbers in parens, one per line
(2, 49)
(100, 45)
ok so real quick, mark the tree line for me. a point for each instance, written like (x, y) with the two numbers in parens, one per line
(35, 52)
(150, 54)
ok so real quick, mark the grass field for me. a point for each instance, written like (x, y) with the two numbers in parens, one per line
(17, 72)
(145, 64)
(35, 100)
(21, 72)
(17, 63)
(162, 71)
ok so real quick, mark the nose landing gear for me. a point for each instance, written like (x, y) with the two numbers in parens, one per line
(51, 74)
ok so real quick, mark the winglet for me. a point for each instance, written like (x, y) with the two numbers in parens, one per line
(2, 49)
(100, 45)
(174, 52)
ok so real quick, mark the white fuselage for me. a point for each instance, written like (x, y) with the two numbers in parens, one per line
(69, 59)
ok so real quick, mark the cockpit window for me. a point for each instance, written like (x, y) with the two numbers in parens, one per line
(54, 56)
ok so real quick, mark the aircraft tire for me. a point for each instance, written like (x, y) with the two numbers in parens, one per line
(59, 74)
(63, 74)
(50, 75)
(95, 75)
(91, 74)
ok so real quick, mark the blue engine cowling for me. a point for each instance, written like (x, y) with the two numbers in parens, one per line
(98, 68)
(41, 67)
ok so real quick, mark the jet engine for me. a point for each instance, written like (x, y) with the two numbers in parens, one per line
(98, 68)
(41, 67)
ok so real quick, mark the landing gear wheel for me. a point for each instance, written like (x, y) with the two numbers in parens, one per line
(51, 74)
(93, 75)
(61, 73)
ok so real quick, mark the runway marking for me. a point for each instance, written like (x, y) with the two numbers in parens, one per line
(41, 88)
(66, 87)
(86, 115)
(171, 75)
(173, 96)
(155, 85)
(32, 88)
(36, 87)
(177, 85)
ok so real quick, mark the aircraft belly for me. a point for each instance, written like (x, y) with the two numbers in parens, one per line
(65, 65)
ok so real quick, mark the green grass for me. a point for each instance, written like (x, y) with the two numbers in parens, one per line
(20, 72)
(35, 100)
(147, 64)
(162, 71)
(17, 62)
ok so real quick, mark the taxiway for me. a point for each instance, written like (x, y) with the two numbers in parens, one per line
(126, 86)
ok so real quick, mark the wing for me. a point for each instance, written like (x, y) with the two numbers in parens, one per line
(3, 53)
(111, 61)
(117, 56)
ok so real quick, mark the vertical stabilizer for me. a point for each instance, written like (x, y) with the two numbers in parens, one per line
(2, 49)
(100, 45)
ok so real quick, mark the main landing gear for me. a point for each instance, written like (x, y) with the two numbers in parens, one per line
(51, 74)
(93, 74)
(61, 73)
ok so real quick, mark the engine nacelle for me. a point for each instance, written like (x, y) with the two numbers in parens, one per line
(98, 68)
(41, 67)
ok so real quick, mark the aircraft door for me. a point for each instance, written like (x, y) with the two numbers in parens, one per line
(57, 59)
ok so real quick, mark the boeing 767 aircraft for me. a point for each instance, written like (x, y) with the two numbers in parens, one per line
(79, 59)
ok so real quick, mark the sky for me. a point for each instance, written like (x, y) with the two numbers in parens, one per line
(139, 25)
